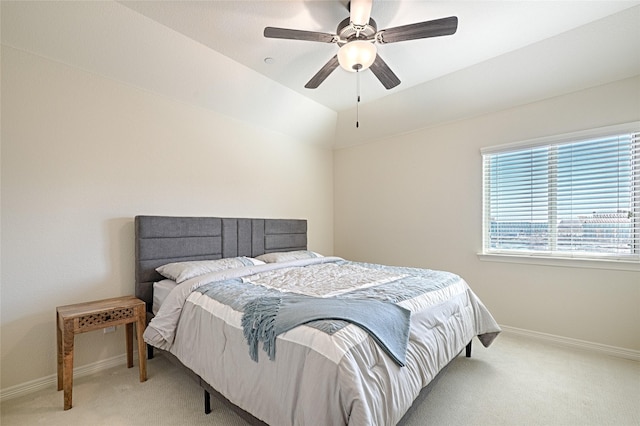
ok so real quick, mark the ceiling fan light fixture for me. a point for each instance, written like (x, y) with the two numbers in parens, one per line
(357, 55)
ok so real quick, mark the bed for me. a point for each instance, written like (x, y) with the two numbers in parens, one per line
(284, 335)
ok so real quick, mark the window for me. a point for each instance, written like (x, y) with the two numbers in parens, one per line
(572, 196)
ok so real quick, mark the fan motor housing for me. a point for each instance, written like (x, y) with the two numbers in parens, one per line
(348, 32)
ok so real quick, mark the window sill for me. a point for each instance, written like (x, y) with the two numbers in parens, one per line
(618, 265)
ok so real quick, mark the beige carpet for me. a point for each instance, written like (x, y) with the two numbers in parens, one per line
(517, 381)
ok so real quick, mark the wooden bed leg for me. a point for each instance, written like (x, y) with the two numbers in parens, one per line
(207, 402)
(149, 352)
(468, 351)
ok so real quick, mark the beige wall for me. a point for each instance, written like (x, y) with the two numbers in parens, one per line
(82, 155)
(415, 199)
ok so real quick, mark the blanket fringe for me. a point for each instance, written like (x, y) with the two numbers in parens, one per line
(258, 323)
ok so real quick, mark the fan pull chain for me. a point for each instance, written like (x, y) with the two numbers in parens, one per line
(357, 97)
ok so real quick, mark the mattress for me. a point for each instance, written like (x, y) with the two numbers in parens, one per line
(161, 290)
(329, 372)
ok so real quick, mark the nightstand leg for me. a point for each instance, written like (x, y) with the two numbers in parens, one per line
(59, 350)
(129, 328)
(142, 346)
(67, 361)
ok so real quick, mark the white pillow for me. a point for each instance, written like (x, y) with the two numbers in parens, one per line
(286, 256)
(182, 271)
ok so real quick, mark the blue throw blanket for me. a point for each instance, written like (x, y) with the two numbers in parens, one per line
(266, 317)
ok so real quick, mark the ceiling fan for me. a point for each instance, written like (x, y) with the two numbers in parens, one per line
(357, 36)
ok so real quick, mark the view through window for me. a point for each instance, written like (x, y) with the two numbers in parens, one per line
(575, 198)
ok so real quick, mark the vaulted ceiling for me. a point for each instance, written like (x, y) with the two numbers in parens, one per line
(213, 54)
(486, 30)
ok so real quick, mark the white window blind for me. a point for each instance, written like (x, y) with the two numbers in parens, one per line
(575, 197)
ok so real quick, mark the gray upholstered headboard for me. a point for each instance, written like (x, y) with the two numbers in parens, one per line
(165, 239)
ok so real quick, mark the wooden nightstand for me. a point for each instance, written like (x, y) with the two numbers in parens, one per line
(89, 316)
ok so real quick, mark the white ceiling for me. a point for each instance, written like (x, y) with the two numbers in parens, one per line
(486, 30)
(211, 54)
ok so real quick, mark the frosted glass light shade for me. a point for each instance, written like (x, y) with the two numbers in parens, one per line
(357, 52)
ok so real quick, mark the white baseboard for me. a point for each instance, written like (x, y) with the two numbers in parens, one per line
(52, 380)
(575, 343)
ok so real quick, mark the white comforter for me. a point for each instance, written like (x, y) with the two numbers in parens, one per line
(317, 378)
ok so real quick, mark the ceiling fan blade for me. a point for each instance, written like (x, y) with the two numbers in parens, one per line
(381, 70)
(360, 11)
(272, 32)
(435, 28)
(324, 72)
